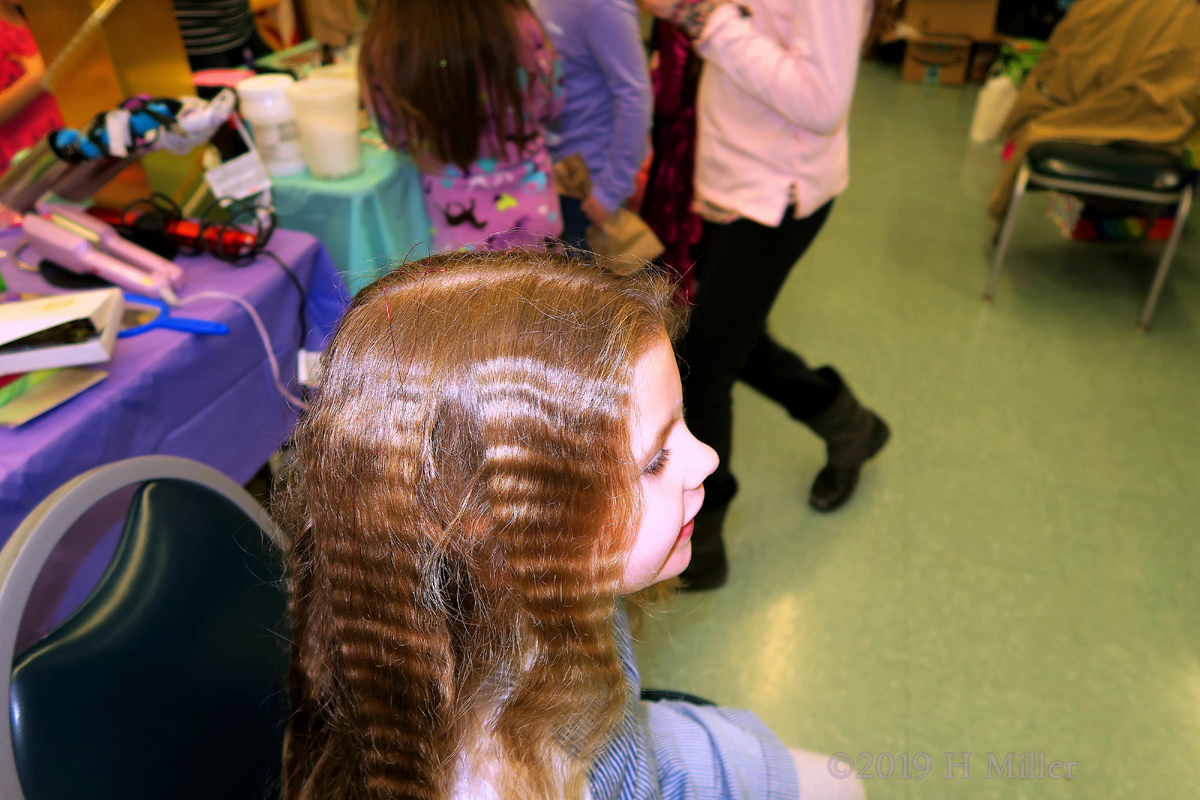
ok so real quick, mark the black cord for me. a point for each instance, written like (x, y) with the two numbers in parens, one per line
(244, 216)
(299, 288)
(145, 222)
(160, 208)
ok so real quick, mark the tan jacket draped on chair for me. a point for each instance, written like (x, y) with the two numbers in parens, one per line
(1113, 71)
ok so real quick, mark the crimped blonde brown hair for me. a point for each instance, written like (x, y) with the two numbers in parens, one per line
(461, 503)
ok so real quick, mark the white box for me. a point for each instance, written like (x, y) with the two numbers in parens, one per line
(19, 320)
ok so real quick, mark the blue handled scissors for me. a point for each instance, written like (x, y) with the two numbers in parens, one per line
(163, 319)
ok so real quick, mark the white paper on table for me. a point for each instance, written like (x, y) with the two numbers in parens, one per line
(18, 320)
(239, 177)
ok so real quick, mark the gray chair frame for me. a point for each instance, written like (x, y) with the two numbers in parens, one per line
(1181, 199)
(31, 544)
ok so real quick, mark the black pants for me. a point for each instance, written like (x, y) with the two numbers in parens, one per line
(575, 223)
(740, 275)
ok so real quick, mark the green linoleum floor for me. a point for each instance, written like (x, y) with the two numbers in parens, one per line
(1019, 570)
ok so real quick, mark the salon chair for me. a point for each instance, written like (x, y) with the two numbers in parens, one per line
(1125, 172)
(170, 680)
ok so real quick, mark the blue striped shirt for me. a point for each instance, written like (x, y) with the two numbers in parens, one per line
(678, 751)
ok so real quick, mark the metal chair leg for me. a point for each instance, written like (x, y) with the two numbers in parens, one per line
(1164, 264)
(1006, 231)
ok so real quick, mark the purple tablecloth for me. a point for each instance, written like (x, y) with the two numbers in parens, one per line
(209, 398)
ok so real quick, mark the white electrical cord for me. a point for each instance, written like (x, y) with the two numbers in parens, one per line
(262, 334)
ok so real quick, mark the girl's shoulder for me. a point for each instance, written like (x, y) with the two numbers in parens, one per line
(529, 30)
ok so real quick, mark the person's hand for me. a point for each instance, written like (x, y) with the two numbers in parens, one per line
(596, 213)
(689, 16)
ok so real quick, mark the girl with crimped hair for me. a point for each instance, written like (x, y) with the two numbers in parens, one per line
(495, 456)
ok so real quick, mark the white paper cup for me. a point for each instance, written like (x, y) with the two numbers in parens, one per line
(327, 113)
(264, 103)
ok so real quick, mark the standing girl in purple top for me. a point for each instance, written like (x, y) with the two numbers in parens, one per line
(607, 116)
(468, 87)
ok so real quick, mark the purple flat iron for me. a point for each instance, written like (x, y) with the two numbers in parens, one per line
(83, 244)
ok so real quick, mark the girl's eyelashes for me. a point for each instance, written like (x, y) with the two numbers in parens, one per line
(659, 463)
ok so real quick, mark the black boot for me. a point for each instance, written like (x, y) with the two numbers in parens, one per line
(852, 435)
(708, 568)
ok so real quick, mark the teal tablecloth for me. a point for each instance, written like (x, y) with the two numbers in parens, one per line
(366, 222)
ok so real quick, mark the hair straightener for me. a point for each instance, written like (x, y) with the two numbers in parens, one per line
(83, 244)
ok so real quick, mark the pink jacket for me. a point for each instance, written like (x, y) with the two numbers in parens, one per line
(773, 104)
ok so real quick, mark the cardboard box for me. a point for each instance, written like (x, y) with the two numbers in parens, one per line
(937, 59)
(972, 18)
(79, 328)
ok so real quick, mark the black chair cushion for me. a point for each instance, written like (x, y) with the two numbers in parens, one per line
(1131, 166)
(654, 695)
(170, 681)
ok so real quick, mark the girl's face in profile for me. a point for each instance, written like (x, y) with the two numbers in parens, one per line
(674, 465)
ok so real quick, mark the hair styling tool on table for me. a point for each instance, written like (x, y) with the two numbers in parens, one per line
(238, 239)
(234, 231)
(74, 164)
(77, 252)
(143, 124)
(181, 231)
(83, 244)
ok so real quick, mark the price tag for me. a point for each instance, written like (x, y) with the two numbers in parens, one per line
(239, 178)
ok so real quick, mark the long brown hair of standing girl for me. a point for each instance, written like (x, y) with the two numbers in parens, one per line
(443, 66)
(461, 505)
(467, 88)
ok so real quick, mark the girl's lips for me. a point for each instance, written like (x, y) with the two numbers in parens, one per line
(685, 532)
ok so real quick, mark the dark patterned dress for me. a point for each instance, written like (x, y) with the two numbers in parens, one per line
(506, 198)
